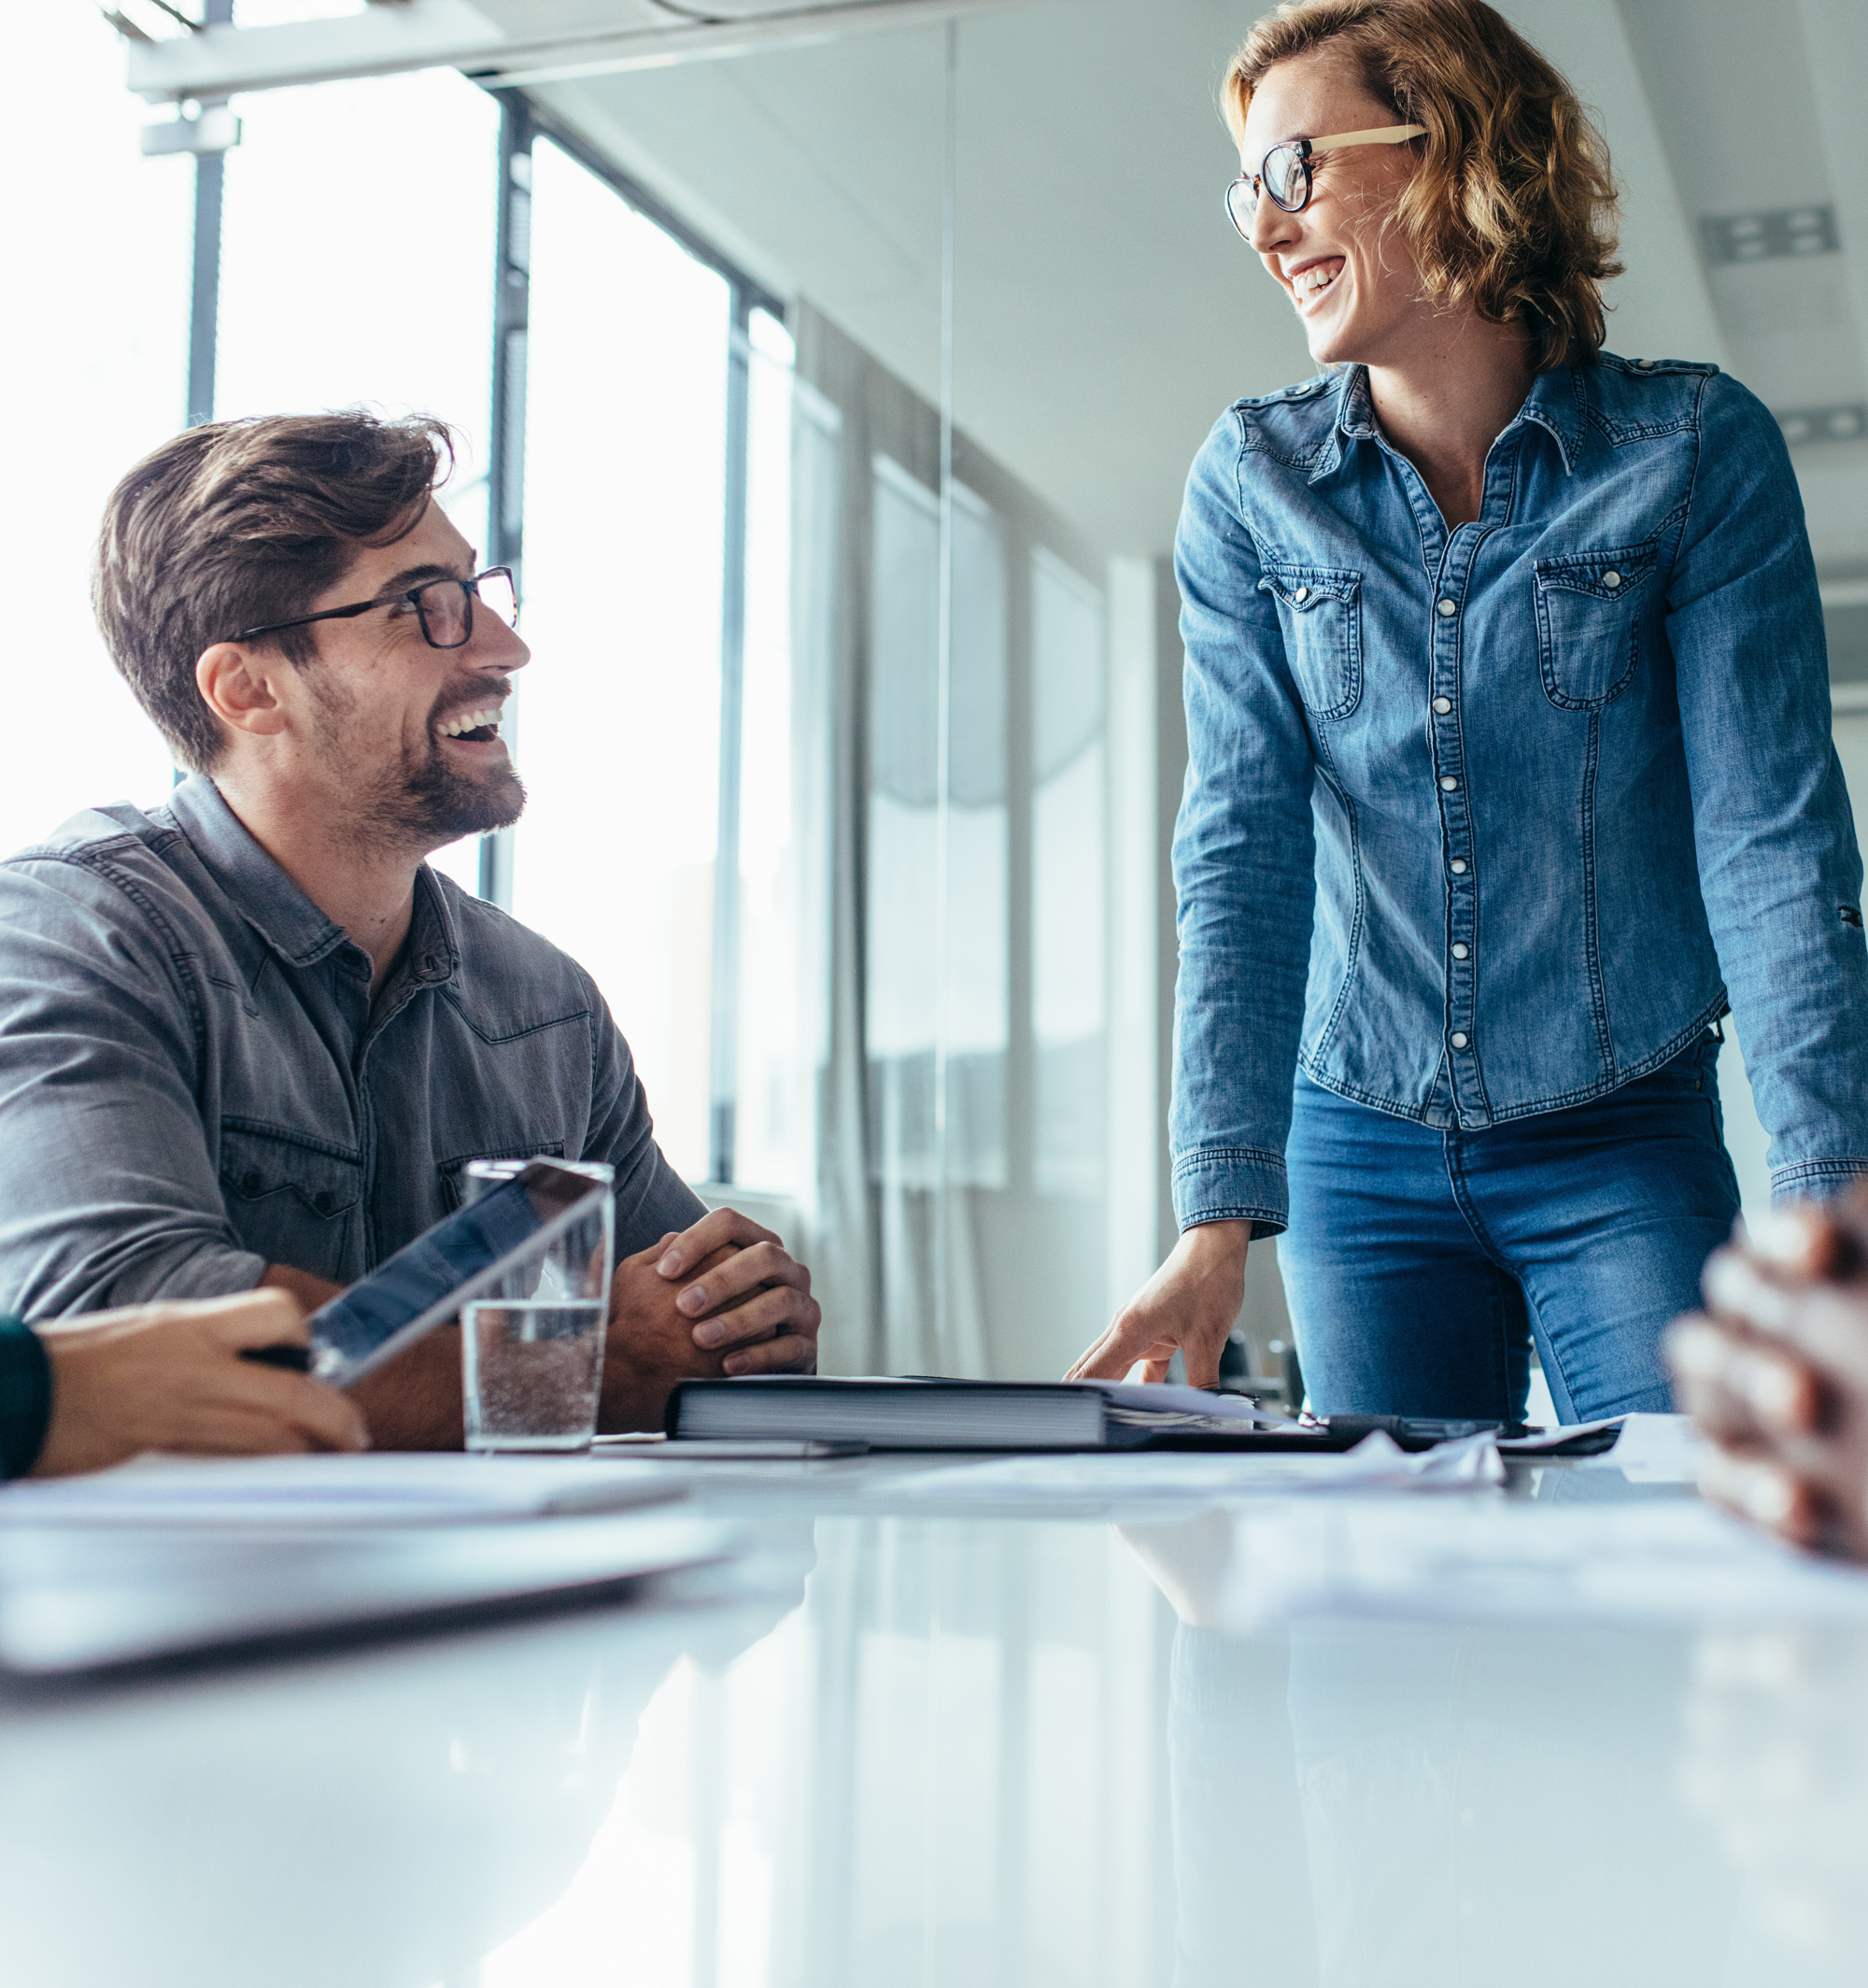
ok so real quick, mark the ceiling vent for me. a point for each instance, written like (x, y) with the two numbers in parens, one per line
(1761, 237)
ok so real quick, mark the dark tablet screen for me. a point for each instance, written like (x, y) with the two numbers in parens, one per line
(426, 1272)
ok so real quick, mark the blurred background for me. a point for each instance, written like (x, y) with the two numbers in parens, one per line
(830, 371)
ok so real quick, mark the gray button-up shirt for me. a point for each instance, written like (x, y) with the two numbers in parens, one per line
(194, 1082)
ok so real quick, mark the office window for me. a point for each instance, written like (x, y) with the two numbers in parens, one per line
(979, 913)
(902, 1002)
(357, 242)
(913, 991)
(618, 734)
(357, 262)
(766, 1072)
(93, 347)
(1070, 815)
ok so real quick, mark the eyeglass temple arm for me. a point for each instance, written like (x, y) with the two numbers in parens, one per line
(1388, 135)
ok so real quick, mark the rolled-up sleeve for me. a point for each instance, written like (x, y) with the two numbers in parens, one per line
(109, 1194)
(1244, 876)
(1780, 869)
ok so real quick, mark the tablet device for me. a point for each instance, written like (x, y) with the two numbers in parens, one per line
(425, 1284)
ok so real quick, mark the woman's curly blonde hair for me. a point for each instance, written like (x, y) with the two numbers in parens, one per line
(1513, 209)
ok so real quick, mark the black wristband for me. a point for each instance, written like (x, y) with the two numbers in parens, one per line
(25, 1396)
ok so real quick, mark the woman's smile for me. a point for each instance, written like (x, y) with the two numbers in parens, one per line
(1313, 280)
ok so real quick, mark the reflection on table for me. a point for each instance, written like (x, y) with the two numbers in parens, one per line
(955, 1750)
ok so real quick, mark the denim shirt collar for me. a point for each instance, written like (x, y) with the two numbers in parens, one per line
(274, 907)
(1555, 403)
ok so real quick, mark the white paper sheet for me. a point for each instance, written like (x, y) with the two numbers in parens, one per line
(1654, 1450)
(1479, 1559)
(1117, 1477)
(321, 1491)
(1162, 1399)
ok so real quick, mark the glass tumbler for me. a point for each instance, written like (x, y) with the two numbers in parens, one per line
(532, 1345)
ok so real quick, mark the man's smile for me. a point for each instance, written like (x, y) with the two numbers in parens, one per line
(474, 729)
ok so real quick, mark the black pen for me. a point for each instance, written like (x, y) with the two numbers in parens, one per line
(297, 1359)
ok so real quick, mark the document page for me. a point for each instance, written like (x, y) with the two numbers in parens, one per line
(289, 1492)
(1654, 1450)
(1520, 1559)
(1121, 1477)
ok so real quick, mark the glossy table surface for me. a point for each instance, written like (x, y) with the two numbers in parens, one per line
(903, 1743)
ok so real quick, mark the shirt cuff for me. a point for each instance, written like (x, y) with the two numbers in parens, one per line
(1232, 1184)
(26, 1397)
(1816, 1180)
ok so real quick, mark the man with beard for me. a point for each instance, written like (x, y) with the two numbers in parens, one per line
(249, 1038)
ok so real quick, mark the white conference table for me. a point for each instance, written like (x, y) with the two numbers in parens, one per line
(901, 1745)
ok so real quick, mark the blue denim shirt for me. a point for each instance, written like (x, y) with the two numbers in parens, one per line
(1482, 823)
(196, 1082)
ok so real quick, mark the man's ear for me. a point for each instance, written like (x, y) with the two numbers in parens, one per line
(237, 687)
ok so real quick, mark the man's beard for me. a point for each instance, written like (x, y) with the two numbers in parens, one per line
(434, 802)
(423, 802)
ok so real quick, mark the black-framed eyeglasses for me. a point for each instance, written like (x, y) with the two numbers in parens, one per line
(1283, 175)
(445, 608)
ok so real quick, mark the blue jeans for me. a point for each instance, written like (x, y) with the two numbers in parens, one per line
(1420, 1263)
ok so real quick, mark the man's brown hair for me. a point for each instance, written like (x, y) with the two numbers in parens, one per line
(1513, 209)
(236, 524)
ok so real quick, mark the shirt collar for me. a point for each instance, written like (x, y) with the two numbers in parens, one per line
(278, 910)
(1555, 402)
(1355, 408)
(1354, 422)
(266, 896)
(433, 945)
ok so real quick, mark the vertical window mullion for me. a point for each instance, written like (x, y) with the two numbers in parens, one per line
(505, 474)
(725, 1033)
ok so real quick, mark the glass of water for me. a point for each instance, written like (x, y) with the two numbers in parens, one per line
(532, 1346)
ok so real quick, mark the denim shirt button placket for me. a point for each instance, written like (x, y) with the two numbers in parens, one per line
(1467, 1099)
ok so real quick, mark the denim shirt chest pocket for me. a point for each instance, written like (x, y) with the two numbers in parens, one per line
(1320, 610)
(291, 1199)
(1589, 611)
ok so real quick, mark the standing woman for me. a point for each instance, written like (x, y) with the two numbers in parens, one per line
(1509, 765)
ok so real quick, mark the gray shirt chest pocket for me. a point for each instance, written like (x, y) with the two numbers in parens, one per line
(291, 1199)
(454, 1172)
(1320, 610)
(1589, 611)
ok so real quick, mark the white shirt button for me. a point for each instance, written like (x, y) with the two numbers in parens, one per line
(1457, 866)
(1302, 593)
(1460, 951)
(1647, 366)
(1443, 705)
(1447, 782)
(1459, 1041)
(1450, 607)
(1611, 580)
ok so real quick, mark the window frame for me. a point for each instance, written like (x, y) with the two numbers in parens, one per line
(522, 123)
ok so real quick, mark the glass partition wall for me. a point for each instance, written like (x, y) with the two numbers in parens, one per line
(816, 728)
(887, 1006)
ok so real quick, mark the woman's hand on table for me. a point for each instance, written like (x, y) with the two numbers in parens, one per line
(169, 1377)
(1776, 1373)
(1190, 1304)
